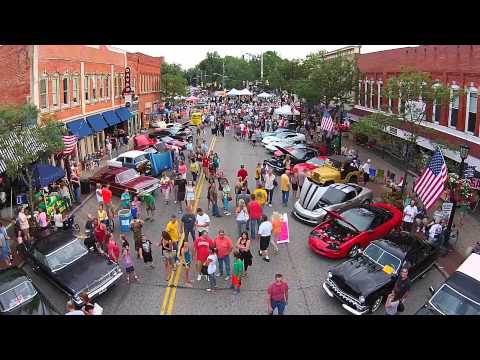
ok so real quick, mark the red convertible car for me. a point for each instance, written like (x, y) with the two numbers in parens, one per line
(142, 142)
(345, 233)
(121, 178)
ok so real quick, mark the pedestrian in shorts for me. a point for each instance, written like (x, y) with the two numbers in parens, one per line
(264, 235)
(146, 252)
(128, 262)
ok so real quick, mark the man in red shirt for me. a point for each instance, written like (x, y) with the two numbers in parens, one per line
(107, 200)
(255, 212)
(100, 232)
(242, 173)
(277, 295)
(224, 246)
(201, 248)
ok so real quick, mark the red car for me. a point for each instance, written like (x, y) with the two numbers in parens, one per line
(345, 233)
(142, 142)
(311, 164)
(121, 178)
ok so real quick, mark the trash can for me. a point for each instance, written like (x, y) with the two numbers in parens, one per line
(125, 217)
(85, 187)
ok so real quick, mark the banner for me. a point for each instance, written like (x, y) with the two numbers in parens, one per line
(475, 184)
(284, 237)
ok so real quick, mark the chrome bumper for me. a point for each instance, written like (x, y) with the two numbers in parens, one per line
(105, 286)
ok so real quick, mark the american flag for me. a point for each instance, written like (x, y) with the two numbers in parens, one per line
(327, 122)
(432, 182)
(70, 143)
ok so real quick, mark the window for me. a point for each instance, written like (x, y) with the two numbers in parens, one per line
(472, 110)
(362, 94)
(43, 87)
(454, 106)
(359, 94)
(65, 85)
(75, 90)
(107, 89)
(115, 86)
(102, 87)
(87, 88)
(369, 95)
(55, 91)
(94, 87)
(380, 96)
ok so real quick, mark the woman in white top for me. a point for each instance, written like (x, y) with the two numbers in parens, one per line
(189, 193)
(58, 219)
(269, 186)
(265, 233)
(98, 193)
(391, 305)
(242, 216)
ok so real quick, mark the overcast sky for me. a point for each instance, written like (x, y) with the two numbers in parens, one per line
(190, 55)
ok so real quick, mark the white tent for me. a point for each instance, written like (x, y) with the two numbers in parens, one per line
(244, 92)
(285, 110)
(264, 95)
(233, 92)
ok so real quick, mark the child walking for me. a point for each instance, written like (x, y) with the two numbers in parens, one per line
(186, 260)
(211, 262)
(128, 262)
(238, 272)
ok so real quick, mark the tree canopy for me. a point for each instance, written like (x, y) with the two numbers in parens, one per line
(174, 81)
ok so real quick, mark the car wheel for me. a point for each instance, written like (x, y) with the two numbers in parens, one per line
(354, 251)
(376, 304)
(353, 180)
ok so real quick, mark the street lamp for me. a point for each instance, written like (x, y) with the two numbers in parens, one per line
(464, 150)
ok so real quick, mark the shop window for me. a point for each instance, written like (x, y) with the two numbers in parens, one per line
(43, 90)
(454, 107)
(66, 89)
(87, 89)
(472, 111)
(75, 90)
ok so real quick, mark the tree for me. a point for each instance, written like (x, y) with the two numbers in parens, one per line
(410, 92)
(28, 143)
(173, 81)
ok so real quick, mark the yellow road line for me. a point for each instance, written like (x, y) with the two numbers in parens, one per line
(170, 293)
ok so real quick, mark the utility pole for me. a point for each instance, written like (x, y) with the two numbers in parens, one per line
(223, 74)
(261, 67)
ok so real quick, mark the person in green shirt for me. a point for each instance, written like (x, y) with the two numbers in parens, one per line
(238, 271)
(149, 201)
(125, 199)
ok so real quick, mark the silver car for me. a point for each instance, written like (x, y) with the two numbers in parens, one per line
(315, 199)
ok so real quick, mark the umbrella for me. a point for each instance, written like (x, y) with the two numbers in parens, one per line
(264, 95)
(284, 110)
(233, 92)
(43, 175)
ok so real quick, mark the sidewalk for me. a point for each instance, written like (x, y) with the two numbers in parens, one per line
(467, 234)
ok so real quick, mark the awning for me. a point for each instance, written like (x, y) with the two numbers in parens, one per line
(123, 114)
(44, 175)
(97, 122)
(79, 128)
(111, 117)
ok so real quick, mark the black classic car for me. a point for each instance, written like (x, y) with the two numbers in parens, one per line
(459, 295)
(64, 260)
(18, 295)
(178, 132)
(363, 283)
(297, 155)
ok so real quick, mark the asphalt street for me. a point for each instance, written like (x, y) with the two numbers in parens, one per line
(303, 270)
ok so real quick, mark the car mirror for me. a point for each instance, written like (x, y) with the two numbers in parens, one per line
(431, 289)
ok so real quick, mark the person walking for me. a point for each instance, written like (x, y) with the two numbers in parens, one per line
(294, 181)
(173, 231)
(276, 228)
(186, 260)
(391, 305)
(5, 254)
(98, 193)
(224, 246)
(24, 224)
(238, 272)
(402, 288)
(180, 186)
(202, 247)
(166, 244)
(270, 185)
(195, 170)
(146, 252)
(255, 213)
(213, 198)
(165, 186)
(202, 221)
(125, 199)
(242, 216)
(149, 201)
(277, 295)
(107, 201)
(211, 264)
(128, 262)
(264, 237)
(137, 228)
(285, 187)
(409, 213)
(189, 193)
(243, 246)
(188, 224)
(226, 196)
(113, 250)
(258, 175)
(365, 169)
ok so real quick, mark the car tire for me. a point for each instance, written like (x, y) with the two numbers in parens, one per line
(376, 304)
(354, 180)
(353, 251)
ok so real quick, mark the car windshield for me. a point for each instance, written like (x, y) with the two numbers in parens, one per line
(382, 257)
(17, 296)
(126, 176)
(451, 302)
(66, 255)
(333, 196)
(316, 161)
(298, 153)
(360, 218)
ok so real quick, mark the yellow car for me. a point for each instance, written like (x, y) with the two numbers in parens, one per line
(336, 169)
(196, 118)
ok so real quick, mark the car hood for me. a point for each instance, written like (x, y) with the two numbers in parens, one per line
(84, 272)
(313, 214)
(141, 182)
(361, 275)
(325, 173)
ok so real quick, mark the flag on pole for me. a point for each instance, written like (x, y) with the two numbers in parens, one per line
(70, 143)
(431, 183)
(327, 122)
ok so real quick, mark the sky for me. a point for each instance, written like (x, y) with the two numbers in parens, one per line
(190, 55)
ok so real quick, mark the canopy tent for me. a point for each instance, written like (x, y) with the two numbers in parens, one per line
(264, 95)
(44, 175)
(244, 92)
(220, 93)
(285, 110)
(233, 92)
(192, 98)
(179, 98)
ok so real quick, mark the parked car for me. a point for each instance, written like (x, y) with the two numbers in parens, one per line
(177, 132)
(297, 155)
(337, 169)
(63, 259)
(283, 136)
(311, 164)
(19, 296)
(459, 294)
(180, 144)
(121, 179)
(345, 233)
(363, 283)
(263, 135)
(315, 200)
(142, 142)
(131, 159)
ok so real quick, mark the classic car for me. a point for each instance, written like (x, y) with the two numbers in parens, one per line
(176, 132)
(459, 294)
(263, 135)
(180, 144)
(315, 200)
(363, 283)
(142, 142)
(283, 137)
(121, 179)
(65, 261)
(133, 159)
(272, 147)
(345, 233)
(337, 169)
(297, 155)
(311, 164)
(18, 295)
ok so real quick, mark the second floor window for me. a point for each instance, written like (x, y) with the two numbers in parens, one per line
(454, 108)
(43, 93)
(87, 88)
(66, 89)
(472, 112)
(94, 87)
(75, 90)
(55, 94)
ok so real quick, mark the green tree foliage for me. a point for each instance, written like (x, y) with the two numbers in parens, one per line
(18, 131)
(174, 81)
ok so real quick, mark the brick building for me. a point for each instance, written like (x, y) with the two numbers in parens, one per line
(145, 72)
(455, 66)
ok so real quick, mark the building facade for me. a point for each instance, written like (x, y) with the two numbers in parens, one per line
(455, 66)
(145, 74)
(348, 51)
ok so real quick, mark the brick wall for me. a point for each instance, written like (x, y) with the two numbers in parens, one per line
(15, 74)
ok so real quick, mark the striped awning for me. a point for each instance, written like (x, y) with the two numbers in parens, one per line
(11, 146)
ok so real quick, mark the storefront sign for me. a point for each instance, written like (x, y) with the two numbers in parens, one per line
(475, 183)
(447, 209)
(469, 172)
(127, 89)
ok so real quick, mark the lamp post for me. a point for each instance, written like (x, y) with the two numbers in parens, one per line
(464, 150)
